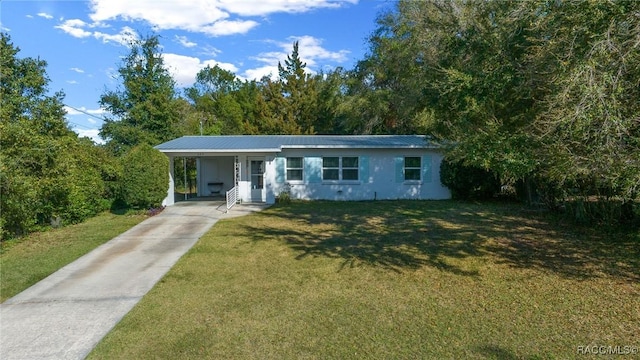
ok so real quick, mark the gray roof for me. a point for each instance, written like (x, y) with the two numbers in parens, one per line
(275, 143)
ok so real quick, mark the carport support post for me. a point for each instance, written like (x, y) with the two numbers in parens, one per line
(171, 191)
(184, 168)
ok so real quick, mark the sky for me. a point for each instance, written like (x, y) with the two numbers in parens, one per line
(83, 42)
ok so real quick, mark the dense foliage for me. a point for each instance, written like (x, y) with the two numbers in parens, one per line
(469, 182)
(543, 93)
(144, 110)
(145, 177)
(47, 174)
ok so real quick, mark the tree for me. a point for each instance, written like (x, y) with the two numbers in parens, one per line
(590, 125)
(468, 182)
(143, 110)
(214, 98)
(330, 90)
(23, 93)
(295, 103)
(145, 177)
(299, 93)
(276, 111)
(46, 173)
(387, 88)
(481, 94)
(543, 91)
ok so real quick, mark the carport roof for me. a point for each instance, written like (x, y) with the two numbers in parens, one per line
(275, 143)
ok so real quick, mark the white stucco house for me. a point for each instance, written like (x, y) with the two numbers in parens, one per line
(257, 168)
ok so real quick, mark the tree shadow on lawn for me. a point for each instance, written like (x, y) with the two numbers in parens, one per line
(498, 352)
(399, 235)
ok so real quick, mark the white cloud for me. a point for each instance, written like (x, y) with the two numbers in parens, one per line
(185, 68)
(272, 57)
(83, 111)
(78, 70)
(310, 51)
(203, 16)
(72, 82)
(74, 27)
(124, 37)
(209, 50)
(266, 7)
(186, 15)
(92, 134)
(45, 15)
(185, 42)
(260, 72)
(228, 27)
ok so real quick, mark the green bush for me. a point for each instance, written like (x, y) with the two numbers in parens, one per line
(468, 182)
(18, 202)
(81, 181)
(145, 177)
(283, 198)
(48, 175)
(65, 187)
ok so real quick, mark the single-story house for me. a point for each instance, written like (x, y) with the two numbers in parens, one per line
(258, 168)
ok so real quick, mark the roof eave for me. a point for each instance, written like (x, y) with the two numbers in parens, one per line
(219, 150)
(359, 147)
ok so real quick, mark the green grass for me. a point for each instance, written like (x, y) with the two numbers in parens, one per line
(381, 280)
(25, 261)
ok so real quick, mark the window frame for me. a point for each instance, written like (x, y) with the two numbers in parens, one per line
(340, 169)
(350, 168)
(287, 168)
(412, 169)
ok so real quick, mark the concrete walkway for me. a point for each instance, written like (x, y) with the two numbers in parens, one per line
(65, 315)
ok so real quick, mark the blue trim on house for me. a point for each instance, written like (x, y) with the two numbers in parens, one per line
(280, 169)
(312, 169)
(399, 169)
(427, 165)
(364, 169)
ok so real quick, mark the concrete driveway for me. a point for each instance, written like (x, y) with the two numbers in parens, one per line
(65, 315)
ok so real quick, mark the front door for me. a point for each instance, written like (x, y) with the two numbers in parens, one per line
(256, 171)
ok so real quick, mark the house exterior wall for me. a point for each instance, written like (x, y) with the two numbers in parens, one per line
(215, 170)
(380, 175)
(244, 184)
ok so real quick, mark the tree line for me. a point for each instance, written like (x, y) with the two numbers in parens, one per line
(538, 95)
(543, 94)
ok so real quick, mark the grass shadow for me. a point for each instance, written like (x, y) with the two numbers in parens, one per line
(402, 235)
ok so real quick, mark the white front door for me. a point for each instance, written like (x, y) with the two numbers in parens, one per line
(256, 173)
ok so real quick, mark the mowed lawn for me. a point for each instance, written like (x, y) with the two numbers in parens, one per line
(390, 280)
(25, 261)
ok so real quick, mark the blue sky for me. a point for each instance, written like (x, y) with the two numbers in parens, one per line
(83, 42)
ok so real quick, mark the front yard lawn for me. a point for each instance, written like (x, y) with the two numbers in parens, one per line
(391, 279)
(25, 261)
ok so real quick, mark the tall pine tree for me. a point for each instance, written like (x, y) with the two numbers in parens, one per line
(143, 109)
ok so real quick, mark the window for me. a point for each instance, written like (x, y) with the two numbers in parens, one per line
(349, 168)
(340, 168)
(331, 168)
(294, 168)
(412, 166)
